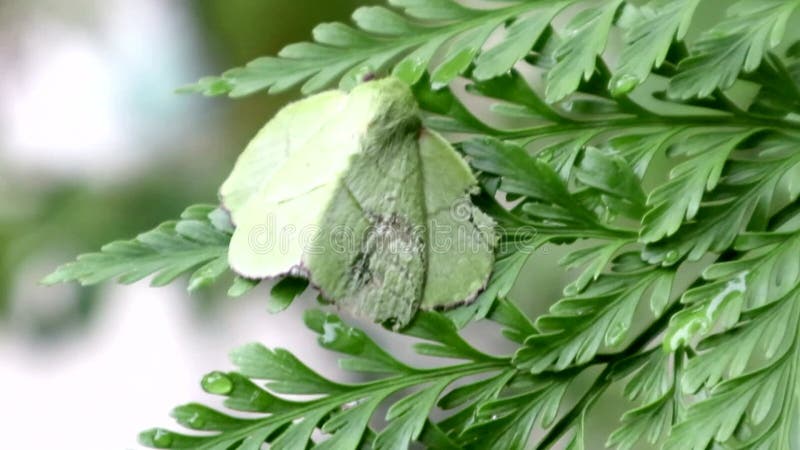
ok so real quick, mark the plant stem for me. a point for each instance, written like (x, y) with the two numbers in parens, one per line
(637, 122)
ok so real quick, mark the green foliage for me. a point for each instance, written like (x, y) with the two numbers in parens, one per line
(736, 44)
(341, 411)
(677, 197)
(408, 42)
(653, 384)
(575, 57)
(196, 244)
(649, 39)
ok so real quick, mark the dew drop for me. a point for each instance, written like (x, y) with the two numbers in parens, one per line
(162, 438)
(217, 383)
(671, 257)
(409, 69)
(615, 334)
(623, 84)
(349, 405)
(196, 421)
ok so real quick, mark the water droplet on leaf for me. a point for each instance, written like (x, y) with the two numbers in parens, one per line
(671, 257)
(217, 383)
(196, 421)
(162, 438)
(410, 69)
(571, 289)
(622, 84)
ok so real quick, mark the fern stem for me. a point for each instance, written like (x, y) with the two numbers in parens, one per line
(359, 392)
(661, 121)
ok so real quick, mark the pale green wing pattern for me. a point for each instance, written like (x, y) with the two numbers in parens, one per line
(350, 191)
(461, 237)
(286, 177)
(284, 135)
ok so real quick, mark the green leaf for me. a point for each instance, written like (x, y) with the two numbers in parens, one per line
(639, 149)
(337, 336)
(381, 38)
(285, 373)
(340, 413)
(517, 325)
(652, 383)
(647, 42)
(476, 392)
(190, 245)
(611, 175)
(750, 189)
(520, 97)
(241, 286)
(577, 327)
(762, 332)
(585, 39)
(680, 198)
(717, 417)
(348, 426)
(576, 443)
(407, 417)
(521, 174)
(736, 44)
(437, 328)
(506, 423)
(522, 34)
(284, 292)
(594, 258)
(649, 423)
(461, 54)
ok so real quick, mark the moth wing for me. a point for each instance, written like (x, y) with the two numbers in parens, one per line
(285, 179)
(371, 252)
(461, 237)
(284, 135)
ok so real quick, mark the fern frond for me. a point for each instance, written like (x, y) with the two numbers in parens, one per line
(578, 327)
(587, 32)
(650, 164)
(679, 199)
(196, 244)
(755, 406)
(341, 411)
(406, 42)
(657, 25)
(761, 277)
(653, 383)
(735, 45)
(751, 188)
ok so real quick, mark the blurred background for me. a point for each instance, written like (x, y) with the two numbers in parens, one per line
(95, 146)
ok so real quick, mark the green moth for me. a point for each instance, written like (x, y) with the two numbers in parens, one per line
(352, 192)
